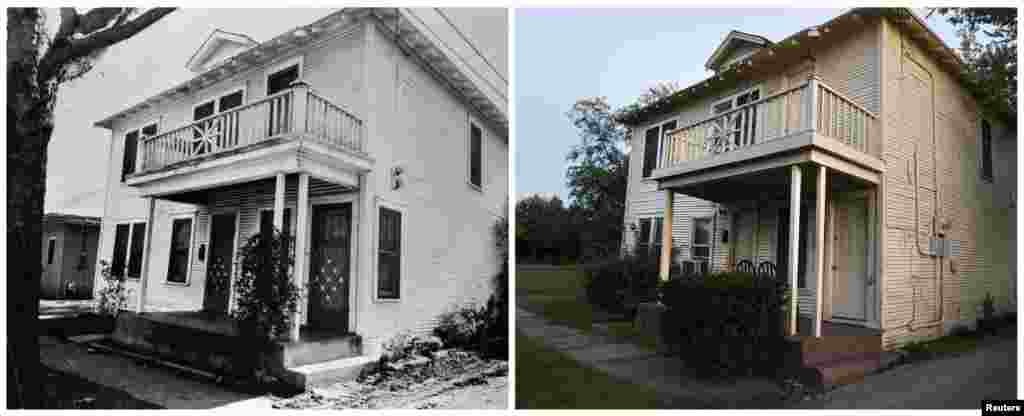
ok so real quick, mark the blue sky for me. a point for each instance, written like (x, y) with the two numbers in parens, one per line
(564, 54)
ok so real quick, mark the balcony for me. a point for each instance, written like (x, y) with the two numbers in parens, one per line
(291, 131)
(811, 120)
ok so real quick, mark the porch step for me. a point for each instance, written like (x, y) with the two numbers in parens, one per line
(310, 351)
(814, 351)
(344, 369)
(848, 370)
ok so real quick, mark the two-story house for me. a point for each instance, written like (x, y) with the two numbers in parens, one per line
(851, 159)
(376, 137)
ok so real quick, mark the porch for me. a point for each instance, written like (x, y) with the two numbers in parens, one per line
(813, 226)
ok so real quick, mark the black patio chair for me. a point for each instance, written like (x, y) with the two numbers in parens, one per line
(745, 266)
(766, 270)
(689, 268)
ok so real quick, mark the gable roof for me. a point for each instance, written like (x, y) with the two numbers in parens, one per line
(217, 39)
(776, 56)
(732, 41)
(410, 35)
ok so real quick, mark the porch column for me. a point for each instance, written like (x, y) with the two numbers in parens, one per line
(794, 242)
(666, 236)
(279, 203)
(301, 237)
(819, 247)
(140, 305)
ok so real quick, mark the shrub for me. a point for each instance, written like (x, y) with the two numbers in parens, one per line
(463, 327)
(266, 297)
(113, 296)
(622, 284)
(725, 324)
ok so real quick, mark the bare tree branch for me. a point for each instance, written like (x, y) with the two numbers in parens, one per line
(97, 19)
(61, 54)
(68, 21)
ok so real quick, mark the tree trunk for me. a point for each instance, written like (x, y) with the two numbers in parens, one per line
(29, 125)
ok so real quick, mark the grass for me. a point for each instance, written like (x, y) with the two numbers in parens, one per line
(549, 379)
(554, 294)
(627, 330)
(66, 391)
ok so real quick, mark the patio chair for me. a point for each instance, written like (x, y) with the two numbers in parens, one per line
(745, 266)
(766, 270)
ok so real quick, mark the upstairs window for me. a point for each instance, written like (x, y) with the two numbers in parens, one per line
(50, 248)
(652, 144)
(282, 79)
(986, 151)
(475, 156)
(131, 147)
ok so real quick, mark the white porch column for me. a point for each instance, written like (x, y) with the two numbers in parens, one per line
(666, 237)
(279, 203)
(794, 243)
(819, 247)
(140, 305)
(301, 259)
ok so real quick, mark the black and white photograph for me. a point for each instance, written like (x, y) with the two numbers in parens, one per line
(299, 208)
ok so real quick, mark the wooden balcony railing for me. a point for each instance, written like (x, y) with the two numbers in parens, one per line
(810, 106)
(297, 110)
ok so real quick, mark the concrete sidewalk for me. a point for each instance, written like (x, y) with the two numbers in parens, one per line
(631, 363)
(156, 385)
(961, 382)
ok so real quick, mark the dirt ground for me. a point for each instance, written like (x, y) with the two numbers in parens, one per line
(457, 381)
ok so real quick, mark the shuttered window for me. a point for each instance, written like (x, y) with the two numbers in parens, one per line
(475, 156)
(50, 249)
(131, 144)
(389, 254)
(181, 240)
(650, 151)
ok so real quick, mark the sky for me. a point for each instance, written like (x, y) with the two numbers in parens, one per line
(565, 54)
(129, 72)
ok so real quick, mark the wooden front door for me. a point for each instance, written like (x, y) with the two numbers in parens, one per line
(329, 271)
(219, 263)
(850, 262)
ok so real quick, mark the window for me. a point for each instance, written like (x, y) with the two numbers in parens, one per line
(181, 242)
(51, 246)
(129, 239)
(389, 254)
(649, 239)
(131, 147)
(743, 124)
(652, 145)
(227, 133)
(475, 156)
(282, 79)
(700, 239)
(986, 151)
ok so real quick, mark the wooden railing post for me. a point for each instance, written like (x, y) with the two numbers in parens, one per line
(811, 111)
(300, 113)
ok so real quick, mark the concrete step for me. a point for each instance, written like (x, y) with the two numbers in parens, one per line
(310, 351)
(847, 371)
(344, 369)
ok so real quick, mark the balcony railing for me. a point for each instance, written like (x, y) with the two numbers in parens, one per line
(295, 111)
(810, 106)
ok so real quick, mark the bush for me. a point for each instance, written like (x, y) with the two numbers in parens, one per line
(725, 324)
(622, 284)
(113, 296)
(463, 327)
(266, 297)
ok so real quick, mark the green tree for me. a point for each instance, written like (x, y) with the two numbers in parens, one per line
(992, 63)
(37, 65)
(597, 175)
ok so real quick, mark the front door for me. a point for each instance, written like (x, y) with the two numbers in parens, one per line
(329, 271)
(219, 263)
(850, 264)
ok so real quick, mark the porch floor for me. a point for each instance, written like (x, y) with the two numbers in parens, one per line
(805, 327)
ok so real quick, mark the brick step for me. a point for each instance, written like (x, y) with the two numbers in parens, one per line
(847, 371)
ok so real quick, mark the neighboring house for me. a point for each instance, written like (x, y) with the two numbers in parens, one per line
(864, 118)
(69, 256)
(376, 137)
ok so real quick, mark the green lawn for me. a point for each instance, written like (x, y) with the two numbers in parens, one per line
(554, 294)
(547, 379)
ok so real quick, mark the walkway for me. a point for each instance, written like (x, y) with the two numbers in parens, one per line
(631, 363)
